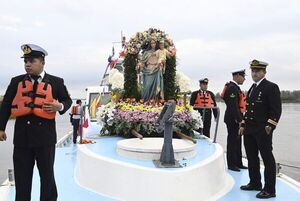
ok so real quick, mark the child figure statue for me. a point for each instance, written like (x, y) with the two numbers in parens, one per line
(162, 54)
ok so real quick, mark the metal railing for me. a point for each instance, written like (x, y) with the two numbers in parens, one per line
(217, 118)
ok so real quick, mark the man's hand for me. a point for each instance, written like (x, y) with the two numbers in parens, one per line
(241, 131)
(268, 130)
(2, 136)
(51, 107)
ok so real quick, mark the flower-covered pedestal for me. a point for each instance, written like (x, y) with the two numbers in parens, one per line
(124, 117)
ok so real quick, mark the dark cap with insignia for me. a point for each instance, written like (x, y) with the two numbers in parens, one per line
(31, 50)
(203, 81)
(239, 72)
(255, 64)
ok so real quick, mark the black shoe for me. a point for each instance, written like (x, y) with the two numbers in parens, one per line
(265, 195)
(234, 168)
(250, 187)
(242, 167)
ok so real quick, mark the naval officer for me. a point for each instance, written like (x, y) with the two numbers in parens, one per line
(263, 111)
(34, 98)
(235, 101)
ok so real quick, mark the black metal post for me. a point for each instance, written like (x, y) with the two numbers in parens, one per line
(167, 153)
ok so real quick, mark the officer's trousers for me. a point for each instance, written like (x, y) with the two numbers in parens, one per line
(206, 116)
(24, 159)
(257, 141)
(234, 145)
(75, 123)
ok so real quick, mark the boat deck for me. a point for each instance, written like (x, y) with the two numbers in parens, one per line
(69, 189)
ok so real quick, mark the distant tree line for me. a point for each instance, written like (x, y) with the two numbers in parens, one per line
(286, 96)
(290, 96)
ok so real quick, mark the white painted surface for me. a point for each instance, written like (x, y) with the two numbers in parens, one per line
(4, 188)
(150, 148)
(207, 180)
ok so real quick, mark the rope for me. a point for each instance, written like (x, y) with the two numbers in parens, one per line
(281, 164)
(290, 166)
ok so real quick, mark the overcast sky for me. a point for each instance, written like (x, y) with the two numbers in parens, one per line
(213, 38)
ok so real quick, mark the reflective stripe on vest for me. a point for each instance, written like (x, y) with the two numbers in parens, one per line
(27, 102)
(204, 100)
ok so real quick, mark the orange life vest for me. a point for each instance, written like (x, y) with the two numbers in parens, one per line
(204, 100)
(28, 102)
(242, 98)
(224, 90)
(242, 102)
(75, 110)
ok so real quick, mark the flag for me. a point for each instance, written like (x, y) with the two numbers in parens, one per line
(85, 122)
(122, 54)
(94, 105)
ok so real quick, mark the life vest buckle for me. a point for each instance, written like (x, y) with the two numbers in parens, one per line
(31, 105)
(31, 94)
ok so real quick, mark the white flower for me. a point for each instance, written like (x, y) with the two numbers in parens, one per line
(110, 121)
(197, 119)
(116, 79)
(183, 82)
(105, 111)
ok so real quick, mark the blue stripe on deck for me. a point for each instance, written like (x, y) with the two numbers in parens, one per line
(69, 190)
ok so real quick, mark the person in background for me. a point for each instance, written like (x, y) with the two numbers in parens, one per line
(34, 98)
(76, 116)
(235, 101)
(263, 111)
(206, 100)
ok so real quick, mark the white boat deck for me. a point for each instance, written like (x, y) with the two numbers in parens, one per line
(69, 189)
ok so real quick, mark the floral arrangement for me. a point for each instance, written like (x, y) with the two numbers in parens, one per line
(183, 82)
(116, 79)
(141, 40)
(120, 118)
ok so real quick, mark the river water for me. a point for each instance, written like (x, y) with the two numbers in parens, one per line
(286, 140)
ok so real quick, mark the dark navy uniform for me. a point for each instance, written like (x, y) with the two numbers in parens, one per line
(233, 116)
(262, 113)
(205, 99)
(34, 140)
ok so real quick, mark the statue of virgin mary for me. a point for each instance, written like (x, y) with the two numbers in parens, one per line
(153, 84)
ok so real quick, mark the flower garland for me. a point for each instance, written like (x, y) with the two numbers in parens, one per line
(141, 40)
